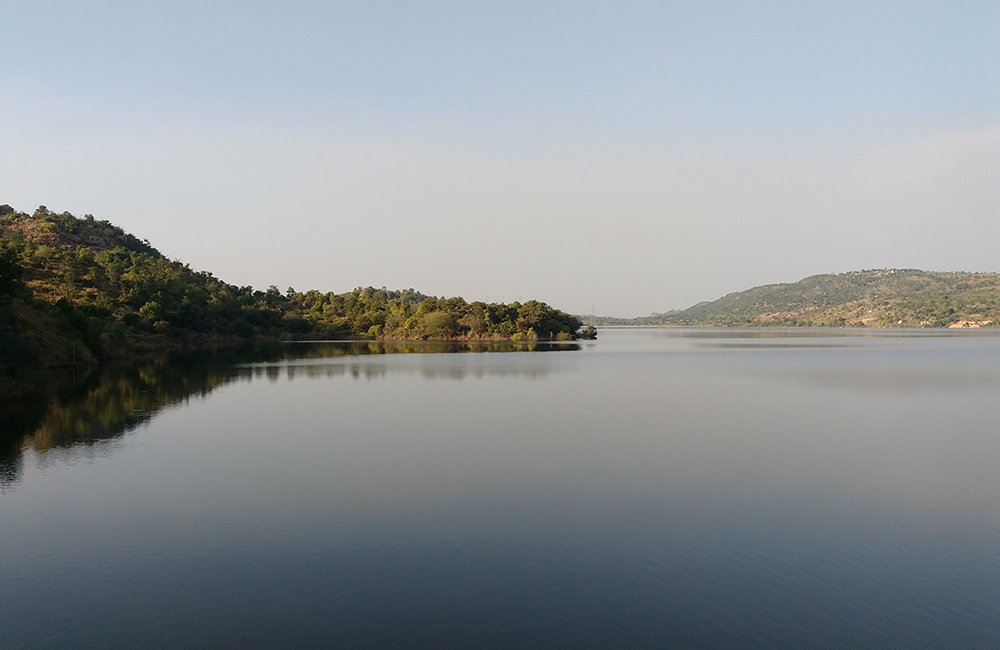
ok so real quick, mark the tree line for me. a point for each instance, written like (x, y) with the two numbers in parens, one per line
(73, 290)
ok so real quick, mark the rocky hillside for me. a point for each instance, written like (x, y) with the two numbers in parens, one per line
(63, 231)
(873, 298)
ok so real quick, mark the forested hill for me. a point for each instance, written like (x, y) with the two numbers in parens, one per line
(73, 290)
(874, 298)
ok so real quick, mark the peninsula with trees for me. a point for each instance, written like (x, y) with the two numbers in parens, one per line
(74, 291)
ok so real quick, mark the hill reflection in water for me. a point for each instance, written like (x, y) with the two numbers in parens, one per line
(86, 413)
(659, 488)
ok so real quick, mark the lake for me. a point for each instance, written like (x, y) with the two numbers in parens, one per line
(690, 488)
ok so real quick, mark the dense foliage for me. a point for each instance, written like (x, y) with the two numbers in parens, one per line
(402, 315)
(76, 289)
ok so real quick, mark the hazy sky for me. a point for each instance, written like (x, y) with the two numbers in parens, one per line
(633, 156)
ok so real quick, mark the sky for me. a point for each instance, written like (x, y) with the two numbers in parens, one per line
(625, 158)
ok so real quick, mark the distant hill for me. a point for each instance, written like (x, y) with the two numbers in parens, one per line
(612, 321)
(77, 290)
(871, 298)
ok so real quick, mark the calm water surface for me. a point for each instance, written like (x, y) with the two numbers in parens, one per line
(656, 488)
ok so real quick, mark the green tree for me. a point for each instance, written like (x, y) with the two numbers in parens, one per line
(11, 271)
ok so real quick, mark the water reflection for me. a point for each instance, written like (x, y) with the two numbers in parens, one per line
(330, 349)
(370, 371)
(903, 377)
(647, 491)
(85, 412)
(853, 360)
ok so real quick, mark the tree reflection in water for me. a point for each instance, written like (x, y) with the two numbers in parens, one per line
(115, 400)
